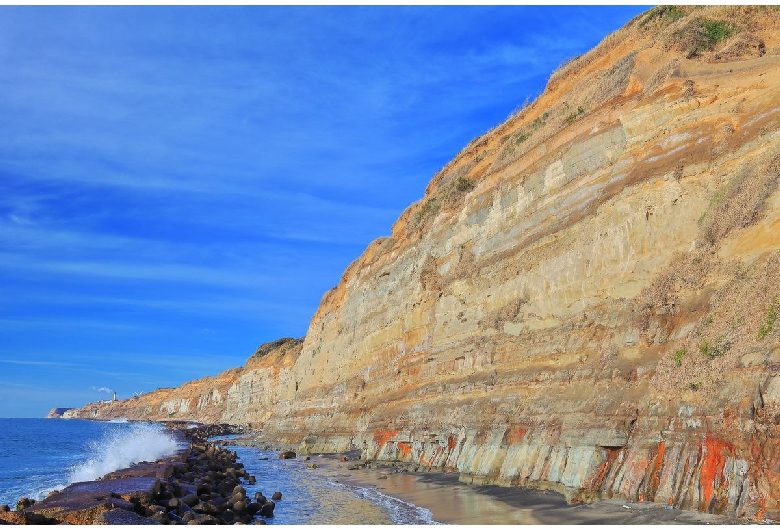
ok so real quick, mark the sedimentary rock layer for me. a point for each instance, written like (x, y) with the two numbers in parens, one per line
(584, 299)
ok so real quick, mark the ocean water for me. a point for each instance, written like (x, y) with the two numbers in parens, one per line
(41, 455)
(312, 496)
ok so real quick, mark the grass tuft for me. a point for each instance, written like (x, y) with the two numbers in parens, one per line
(769, 323)
(678, 357)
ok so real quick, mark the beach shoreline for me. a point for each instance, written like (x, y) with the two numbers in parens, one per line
(452, 501)
(202, 484)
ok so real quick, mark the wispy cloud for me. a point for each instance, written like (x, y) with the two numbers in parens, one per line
(34, 363)
(169, 170)
(71, 323)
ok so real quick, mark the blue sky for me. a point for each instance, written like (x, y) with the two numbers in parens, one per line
(179, 185)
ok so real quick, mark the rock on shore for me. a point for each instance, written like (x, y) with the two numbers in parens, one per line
(58, 412)
(200, 484)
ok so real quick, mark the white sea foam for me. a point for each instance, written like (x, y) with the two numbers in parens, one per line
(399, 511)
(120, 449)
(118, 420)
(41, 494)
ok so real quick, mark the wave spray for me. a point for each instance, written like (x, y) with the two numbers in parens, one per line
(120, 449)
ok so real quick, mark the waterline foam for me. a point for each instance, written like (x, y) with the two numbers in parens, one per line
(142, 442)
(399, 511)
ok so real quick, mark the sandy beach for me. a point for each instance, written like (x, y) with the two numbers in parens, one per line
(453, 502)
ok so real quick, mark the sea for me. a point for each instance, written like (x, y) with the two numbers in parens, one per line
(41, 455)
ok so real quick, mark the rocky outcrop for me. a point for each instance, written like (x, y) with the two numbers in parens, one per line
(198, 484)
(585, 299)
(57, 412)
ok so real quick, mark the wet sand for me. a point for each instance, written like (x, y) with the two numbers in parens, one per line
(453, 502)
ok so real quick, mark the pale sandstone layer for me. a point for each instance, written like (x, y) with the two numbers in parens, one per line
(584, 299)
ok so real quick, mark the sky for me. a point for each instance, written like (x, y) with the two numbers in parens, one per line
(179, 185)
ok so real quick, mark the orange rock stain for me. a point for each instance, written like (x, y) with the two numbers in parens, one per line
(712, 466)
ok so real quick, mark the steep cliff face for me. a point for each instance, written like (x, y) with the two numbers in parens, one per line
(243, 395)
(585, 298)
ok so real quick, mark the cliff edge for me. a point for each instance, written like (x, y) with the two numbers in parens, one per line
(585, 299)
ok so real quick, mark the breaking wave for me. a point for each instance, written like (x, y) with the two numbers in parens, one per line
(119, 449)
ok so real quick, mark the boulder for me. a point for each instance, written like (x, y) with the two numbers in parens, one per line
(228, 516)
(277, 496)
(190, 500)
(286, 455)
(268, 509)
(205, 507)
(24, 503)
(205, 519)
(203, 489)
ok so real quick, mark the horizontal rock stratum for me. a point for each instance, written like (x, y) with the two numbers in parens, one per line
(585, 299)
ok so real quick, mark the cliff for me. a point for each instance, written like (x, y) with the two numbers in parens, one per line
(584, 299)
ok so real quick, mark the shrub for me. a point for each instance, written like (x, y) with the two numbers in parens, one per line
(522, 137)
(529, 129)
(464, 185)
(678, 357)
(708, 34)
(741, 200)
(429, 207)
(666, 14)
(574, 116)
(711, 351)
(540, 121)
(671, 13)
(769, 324)
(714, 32)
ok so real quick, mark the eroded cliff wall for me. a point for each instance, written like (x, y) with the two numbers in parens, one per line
(585, 298)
